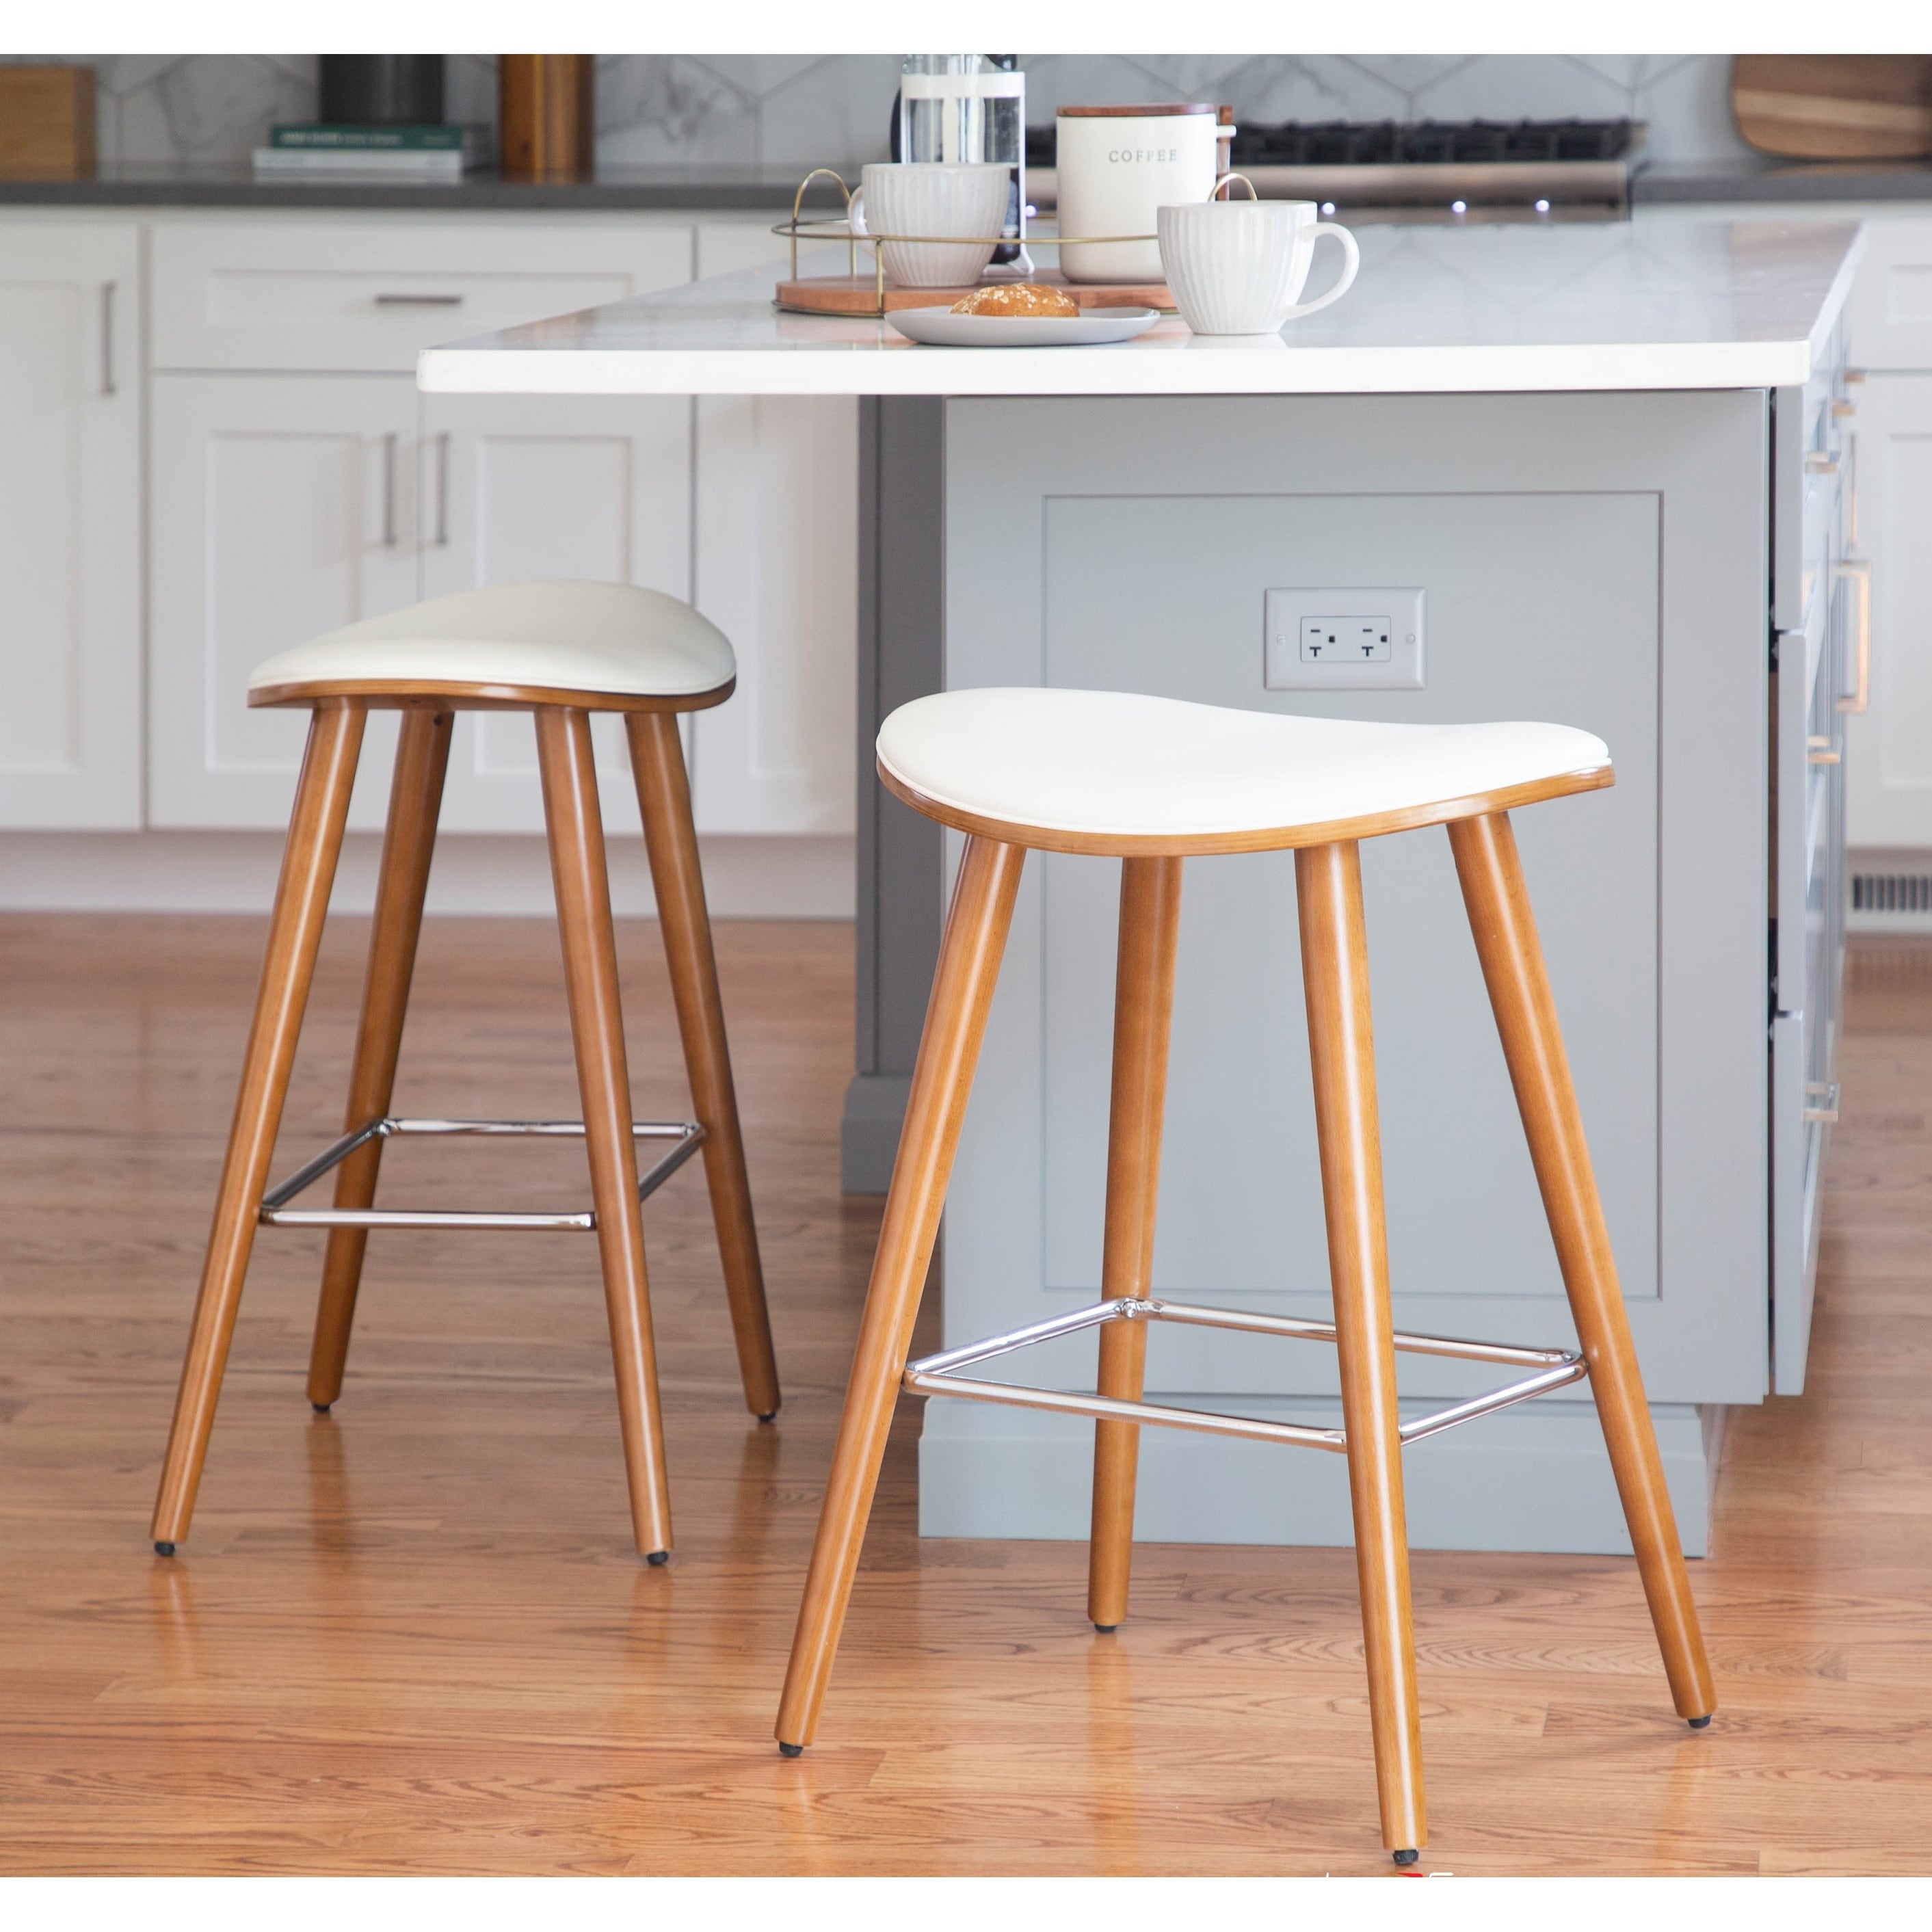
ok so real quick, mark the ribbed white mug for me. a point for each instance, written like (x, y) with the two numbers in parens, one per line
(934, 198)
(1237, 268)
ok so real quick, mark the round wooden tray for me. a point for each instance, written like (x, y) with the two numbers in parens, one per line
(859, 295)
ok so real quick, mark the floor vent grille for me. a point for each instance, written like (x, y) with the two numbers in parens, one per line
(1892, 892)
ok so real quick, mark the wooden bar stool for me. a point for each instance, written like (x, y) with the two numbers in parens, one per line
(1152, 781)
(560, 651)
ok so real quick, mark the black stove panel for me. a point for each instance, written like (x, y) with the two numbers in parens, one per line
(1386, 143)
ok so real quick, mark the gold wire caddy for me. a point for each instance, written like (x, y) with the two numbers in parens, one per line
(847, 295)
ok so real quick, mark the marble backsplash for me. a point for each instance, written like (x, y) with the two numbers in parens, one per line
(785, 110)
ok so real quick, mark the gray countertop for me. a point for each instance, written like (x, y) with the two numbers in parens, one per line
(1747, 178)
(1763, 178)
(615, 189)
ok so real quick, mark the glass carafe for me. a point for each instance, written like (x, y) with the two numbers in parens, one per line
(968, 108)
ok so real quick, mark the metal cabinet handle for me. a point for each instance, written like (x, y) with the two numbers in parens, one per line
(1820, 464)
(1827, 1091)
(389, 490)
(1858, 569)
(442, 491)
(400, 300)
(107, 338)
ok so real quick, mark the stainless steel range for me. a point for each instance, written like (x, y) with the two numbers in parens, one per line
(1427, 171)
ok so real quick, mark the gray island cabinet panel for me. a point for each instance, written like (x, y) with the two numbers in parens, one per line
(1597, 560)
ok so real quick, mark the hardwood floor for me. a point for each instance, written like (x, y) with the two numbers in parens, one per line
(413, 1636)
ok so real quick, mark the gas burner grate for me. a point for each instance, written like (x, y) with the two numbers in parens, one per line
(1353, 144)
(1331, 144)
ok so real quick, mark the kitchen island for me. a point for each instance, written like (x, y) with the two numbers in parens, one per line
(1606, 457)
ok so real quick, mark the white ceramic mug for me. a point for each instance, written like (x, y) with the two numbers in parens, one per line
(933, 198)
(1237, 268)
(1116, 166)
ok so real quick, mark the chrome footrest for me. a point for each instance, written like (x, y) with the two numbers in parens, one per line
(687, 1136)
(933, 1375)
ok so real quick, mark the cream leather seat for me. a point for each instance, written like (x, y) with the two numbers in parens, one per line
(1112, 764)
(594, 640)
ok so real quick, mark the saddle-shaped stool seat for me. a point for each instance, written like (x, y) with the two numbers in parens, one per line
(603, 647)
(1116, 766)
(1150, 780)
(560, 651)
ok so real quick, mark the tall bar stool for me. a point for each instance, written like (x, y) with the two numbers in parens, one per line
(560, 651)
(1151, 782)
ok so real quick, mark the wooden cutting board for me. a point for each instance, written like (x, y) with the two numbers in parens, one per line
(859, 295)
(1834, 107)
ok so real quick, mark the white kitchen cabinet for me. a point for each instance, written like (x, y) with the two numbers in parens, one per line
(1889, 491)
(295, 481)
(287, 502)
(515, 487)
(281, 507)
(70, 683)
(1889, 312)
(777, 550)
(1889, 749)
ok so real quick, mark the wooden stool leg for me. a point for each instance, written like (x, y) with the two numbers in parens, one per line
(1341, 1052)
(295, 933)
(949, 1049)
(1143, 1014)
(1487, 863)
(664, 799)
(574, 820)
(415, 794)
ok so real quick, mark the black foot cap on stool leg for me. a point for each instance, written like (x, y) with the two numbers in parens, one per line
(769, 1415)
(320, 1408)
(1698, 1724)
(659, 1557)
(1106, 1630)
(1407, 1857)
(791, 1751)
(164, 1549)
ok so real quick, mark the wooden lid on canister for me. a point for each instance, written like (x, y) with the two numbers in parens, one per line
(1159, 107)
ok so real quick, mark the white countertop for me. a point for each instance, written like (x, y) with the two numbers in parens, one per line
(1670, 305)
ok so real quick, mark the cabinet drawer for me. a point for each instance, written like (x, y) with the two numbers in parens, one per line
(368, 296)
(1819, 527)
(1812, 458)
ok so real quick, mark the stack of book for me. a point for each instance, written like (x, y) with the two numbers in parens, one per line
(306, 150)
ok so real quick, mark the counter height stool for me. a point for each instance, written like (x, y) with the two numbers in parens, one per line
(1152, 781)
(560, 651)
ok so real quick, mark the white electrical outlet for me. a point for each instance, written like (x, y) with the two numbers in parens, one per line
(1345, 640)
(1328, 639)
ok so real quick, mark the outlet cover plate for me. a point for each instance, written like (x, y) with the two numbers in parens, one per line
(1330, 638)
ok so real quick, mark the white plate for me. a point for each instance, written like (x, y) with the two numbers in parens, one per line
(944, 330)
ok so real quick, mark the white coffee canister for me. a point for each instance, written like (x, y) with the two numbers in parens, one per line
(1117, 166)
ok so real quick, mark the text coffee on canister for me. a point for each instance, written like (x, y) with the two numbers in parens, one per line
(1117, 166)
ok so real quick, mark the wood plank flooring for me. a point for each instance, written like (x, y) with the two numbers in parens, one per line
(413, 1637)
